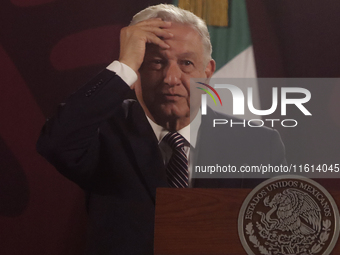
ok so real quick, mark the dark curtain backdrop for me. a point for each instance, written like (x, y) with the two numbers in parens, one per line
(48, 48)
(300, 39)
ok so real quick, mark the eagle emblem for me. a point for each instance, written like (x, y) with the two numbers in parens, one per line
(296, 215)
(289, 216)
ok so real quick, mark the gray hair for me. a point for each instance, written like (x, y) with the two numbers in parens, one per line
(168, 12)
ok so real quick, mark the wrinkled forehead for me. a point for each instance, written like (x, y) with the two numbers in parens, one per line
(185, 40)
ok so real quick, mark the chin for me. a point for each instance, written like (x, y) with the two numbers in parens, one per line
(171, 112)
(176, 111)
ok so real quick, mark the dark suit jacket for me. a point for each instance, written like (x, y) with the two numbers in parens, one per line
(106, 146)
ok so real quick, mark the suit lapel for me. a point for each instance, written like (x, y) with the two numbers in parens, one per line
(145, 149)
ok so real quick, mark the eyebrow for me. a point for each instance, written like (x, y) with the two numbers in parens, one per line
(189, 54)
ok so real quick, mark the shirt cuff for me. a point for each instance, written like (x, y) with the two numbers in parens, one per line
(124, 71)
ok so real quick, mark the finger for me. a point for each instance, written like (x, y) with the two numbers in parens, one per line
(152, 38)
(158, 22)
(158, 31)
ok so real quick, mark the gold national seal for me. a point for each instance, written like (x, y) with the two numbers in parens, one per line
(289, 215)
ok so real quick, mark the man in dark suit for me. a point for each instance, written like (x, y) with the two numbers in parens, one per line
(114, 148)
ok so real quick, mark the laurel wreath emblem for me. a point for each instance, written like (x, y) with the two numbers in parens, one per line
(317, 247)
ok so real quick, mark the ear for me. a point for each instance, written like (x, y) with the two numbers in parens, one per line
(210, 69)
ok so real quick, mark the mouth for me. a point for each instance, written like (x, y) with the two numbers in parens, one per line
(172, 97)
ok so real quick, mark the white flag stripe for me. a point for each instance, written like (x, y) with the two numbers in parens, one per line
(241, 66)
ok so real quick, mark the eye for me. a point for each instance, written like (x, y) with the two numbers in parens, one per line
(187, 66)
(187, 62)
(156, 64)
(157, 61)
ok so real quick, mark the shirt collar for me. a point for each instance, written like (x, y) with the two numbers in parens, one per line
(189, 132)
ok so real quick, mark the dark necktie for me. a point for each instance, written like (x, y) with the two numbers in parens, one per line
(177, 167)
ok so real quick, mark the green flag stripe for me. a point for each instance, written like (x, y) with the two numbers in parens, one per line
(228, 42)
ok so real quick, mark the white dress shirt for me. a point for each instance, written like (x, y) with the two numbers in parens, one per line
(189, 132)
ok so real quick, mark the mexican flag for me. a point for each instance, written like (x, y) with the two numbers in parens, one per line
(228, 26)
(232, 46)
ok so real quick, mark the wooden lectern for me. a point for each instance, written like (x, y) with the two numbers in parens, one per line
(202, 221)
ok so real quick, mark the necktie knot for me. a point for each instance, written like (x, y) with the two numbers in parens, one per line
(177, 167)
(174, 140)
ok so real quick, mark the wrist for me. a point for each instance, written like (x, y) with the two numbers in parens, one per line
(131, 64)
(127, 74)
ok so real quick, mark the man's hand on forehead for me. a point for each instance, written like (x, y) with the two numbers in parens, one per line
(133, 40)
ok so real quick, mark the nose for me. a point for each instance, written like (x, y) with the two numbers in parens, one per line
(172, 74)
